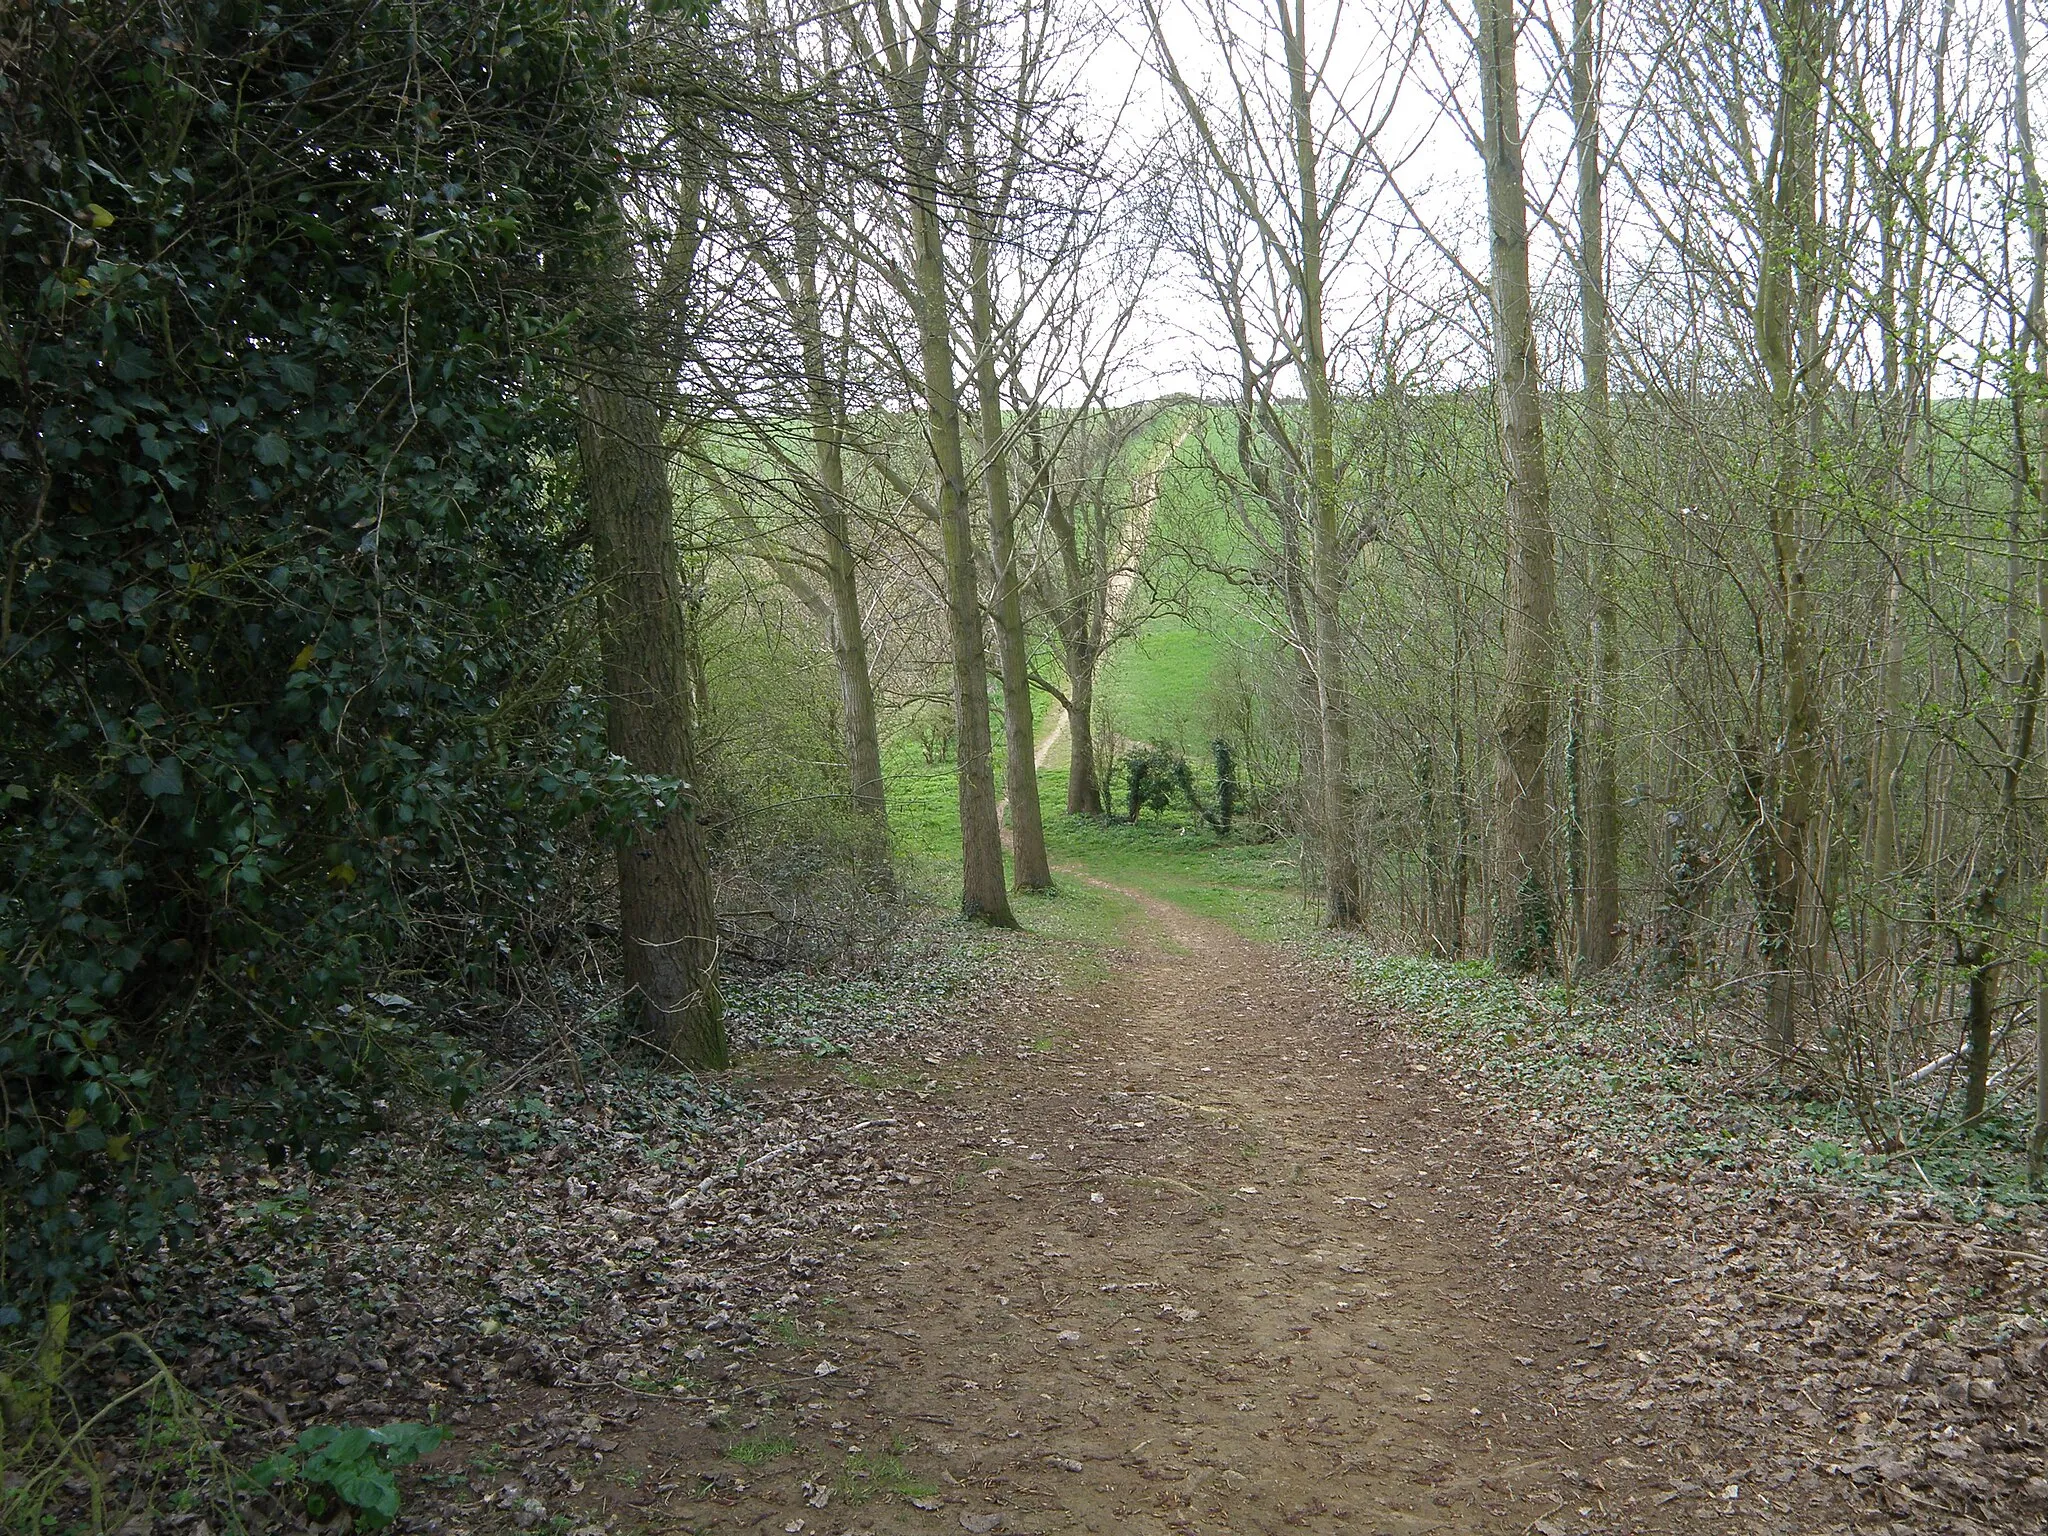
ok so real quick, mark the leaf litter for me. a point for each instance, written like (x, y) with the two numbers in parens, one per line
(1815, 1324)
(537, 1269)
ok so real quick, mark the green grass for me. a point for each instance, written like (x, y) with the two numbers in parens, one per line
(878, 1474)
(1254, 887)
(786, 1330)
(924, 808)
(759, 1450)
(1155, 687)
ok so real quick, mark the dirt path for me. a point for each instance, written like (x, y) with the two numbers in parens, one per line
(1211, 1255)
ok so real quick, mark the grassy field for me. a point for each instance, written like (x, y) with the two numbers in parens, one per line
(1155, 688)
(1253, 887)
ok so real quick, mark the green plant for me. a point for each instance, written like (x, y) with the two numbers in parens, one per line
(869, 1474)
(1152, 776)
(53, 1459)
(759, 1450)
(1226, 787)
(290, 711)
(787, 1330)
(348, 1467)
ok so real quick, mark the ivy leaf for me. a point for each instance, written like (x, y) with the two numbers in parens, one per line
(272, 449)
(166, 777)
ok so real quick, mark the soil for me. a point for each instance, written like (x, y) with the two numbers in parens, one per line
(1189, 1236)
(1212, 1252)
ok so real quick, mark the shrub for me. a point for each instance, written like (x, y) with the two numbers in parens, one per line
(286, 709)
(348, 1468)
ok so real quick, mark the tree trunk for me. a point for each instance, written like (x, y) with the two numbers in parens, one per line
(1787, 288)
(1980, 951)
(2037, 1139)
(1601, 915)
(983, 897)
(1522, 923)
(1084, 789)
(917, 66)
(856, 682)
(1575, 902)
(667, 922)
(828, 498)
(2037, 335)
(1343, 898)
(1030, 869)
(1886, 750)
(1461, 808)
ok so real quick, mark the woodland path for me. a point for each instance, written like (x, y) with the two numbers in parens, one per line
(1212, 1254)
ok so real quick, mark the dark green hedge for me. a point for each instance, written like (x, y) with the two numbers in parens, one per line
(286, 710)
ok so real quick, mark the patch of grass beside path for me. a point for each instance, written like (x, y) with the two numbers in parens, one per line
(1648, 1081)
(759, 1450)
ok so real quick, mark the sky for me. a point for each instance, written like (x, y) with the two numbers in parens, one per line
(1373, 72)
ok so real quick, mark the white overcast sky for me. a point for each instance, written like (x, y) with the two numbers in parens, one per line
(1438, 169)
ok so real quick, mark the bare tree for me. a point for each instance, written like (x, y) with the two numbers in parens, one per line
(1096, 516)
(789, 211)
(915, 58)
(1602, 895)
(1522, 924)
(1288, 146)
(992, 190)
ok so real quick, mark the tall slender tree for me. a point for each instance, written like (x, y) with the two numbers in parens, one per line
(916, 57)
(1299, 183)
(1523, 918)
(992, 176)
(1602, 912)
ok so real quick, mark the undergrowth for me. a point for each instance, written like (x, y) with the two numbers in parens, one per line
(1670, 1083)
(54, 1432)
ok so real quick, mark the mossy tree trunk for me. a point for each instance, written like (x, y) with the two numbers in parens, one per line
(1522, 922)
(668, 924)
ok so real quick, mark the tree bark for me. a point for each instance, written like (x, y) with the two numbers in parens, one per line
(828, 499)
(1343, 897)
(1979, 951)
(1080, 612)
(1030, 869)
(1296, 247)
(1887, 747)
(2036, 202)
(1601, 916)
(1786, 291)
(856, 683)
(1084, 788)
(1522, 924)
(668, 923)
(912, 68)
(983, 897)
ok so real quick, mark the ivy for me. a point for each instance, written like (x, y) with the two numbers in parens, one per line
(288, 703)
